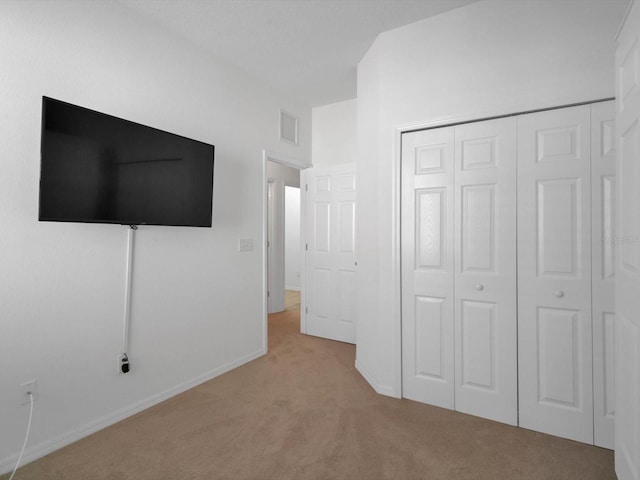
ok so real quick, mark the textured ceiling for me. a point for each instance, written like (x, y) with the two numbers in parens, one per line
(307, 48)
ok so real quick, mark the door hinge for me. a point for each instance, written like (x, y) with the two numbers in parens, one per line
(268, 293)
(306, 187)
(306, 310)
(306, 246)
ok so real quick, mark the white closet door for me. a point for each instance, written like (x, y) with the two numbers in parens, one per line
(485, 270)
(330, 255)
(427, 267)
(554, 273)
(603, 217)
(627, 382)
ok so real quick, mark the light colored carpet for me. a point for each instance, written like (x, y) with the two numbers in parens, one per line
(292, 300)
(303, 412)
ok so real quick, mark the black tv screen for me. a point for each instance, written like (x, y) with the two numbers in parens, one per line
(98, 168)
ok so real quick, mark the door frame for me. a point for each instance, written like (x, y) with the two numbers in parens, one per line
(627, 415)
(270, 155)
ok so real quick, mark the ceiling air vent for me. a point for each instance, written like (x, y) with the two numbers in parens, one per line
(288, 128)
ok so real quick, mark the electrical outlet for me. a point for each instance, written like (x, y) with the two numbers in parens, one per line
(123, 363)
(25, 388)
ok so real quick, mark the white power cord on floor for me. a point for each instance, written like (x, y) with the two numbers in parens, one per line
(26, 437)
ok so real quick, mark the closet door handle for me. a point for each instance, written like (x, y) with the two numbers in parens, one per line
(559, 293)
(479, 287)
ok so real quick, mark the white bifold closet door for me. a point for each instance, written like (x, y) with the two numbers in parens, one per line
(427, 267)
(554, 273)
(486, 371)
(459, 268)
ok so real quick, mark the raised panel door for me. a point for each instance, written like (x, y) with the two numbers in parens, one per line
(554, 273)
(427, 267)
(485, 270)
(330, 253)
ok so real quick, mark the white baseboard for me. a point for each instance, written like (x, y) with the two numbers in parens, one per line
(38, 451)
(379, 388)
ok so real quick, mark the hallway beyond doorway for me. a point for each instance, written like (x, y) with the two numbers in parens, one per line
(292, 300)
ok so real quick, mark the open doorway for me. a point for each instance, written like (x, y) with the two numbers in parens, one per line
(283, 233)
(284, 262)
(292, 250)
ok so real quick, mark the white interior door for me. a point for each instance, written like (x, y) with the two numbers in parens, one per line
(627, 303)
(271, 264)
(603, 218)
(330, 252)
(486, 377)
(427, 267)
(554, 273)
(275, 245)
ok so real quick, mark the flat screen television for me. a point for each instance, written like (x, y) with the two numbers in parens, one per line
(97, 168)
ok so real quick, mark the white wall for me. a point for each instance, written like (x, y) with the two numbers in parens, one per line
(197, 302)
(287, 175)
(491, 57)
(334, 134)
(292, 238)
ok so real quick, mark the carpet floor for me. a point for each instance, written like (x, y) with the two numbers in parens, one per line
(304, 412)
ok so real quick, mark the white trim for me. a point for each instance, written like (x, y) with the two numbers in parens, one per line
(38, 451)
(284, 159)
(386, 390)
(396, 259)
